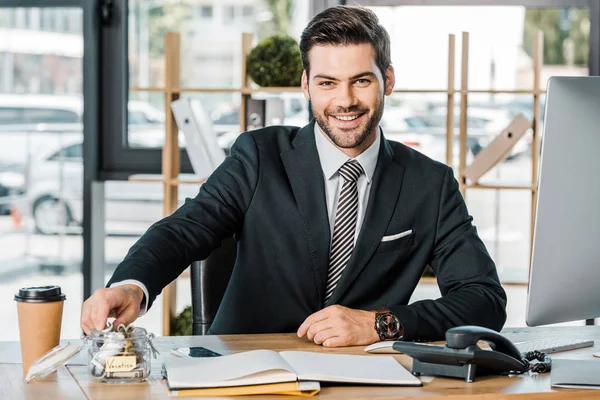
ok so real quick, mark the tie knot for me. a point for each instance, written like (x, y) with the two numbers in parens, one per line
(351, 170)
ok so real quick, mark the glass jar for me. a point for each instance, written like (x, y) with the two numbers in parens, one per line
(122, 356)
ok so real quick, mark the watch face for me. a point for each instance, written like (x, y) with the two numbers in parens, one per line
(389, 325)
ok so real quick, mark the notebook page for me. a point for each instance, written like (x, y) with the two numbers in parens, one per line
(247, 368)
(368, 369)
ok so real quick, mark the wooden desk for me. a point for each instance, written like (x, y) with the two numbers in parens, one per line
(73, 382)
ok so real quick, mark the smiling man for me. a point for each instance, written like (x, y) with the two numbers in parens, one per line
(334, 224)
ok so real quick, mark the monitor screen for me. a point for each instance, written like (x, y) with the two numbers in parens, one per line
(564, 278)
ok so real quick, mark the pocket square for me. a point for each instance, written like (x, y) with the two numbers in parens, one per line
(396, 236)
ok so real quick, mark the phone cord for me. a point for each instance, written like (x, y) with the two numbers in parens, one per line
(544, 363)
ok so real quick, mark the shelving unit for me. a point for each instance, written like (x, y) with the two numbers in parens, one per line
(171, 177)
(538, 57)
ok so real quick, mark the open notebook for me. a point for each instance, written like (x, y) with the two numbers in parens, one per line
(259, 367)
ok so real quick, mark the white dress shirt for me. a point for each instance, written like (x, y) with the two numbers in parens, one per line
(331, 159)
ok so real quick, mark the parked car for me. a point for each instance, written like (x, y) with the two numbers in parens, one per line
(12, 185)
(483, 125)
(33, 109)
(54, 195)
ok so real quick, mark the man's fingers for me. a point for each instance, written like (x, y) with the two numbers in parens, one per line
(324, 335)
(335, 341)
(318, 327)
(93, 313)
(315, 317)
(85, 318)
(101, 309)
(127, 315)
(104, 303)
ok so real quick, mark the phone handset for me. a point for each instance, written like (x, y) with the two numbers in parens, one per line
(462, 337)
(462, 357)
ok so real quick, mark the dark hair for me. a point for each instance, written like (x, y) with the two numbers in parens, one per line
(344, 25)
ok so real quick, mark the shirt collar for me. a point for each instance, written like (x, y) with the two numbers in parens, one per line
(333, 158)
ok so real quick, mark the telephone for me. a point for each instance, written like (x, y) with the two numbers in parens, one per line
(462, 357)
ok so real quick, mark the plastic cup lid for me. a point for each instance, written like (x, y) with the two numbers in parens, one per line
(40, 294)
(53, 360)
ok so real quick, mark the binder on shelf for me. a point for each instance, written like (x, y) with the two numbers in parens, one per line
(498, 149)
(262, 113)
(200, 138)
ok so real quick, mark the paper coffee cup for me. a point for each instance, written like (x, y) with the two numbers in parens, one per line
(40, 316)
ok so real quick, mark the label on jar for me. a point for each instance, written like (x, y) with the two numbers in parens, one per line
(121, 363)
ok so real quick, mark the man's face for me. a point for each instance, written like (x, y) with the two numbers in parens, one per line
(346, 91)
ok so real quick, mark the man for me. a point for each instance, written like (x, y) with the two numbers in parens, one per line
(334, 224)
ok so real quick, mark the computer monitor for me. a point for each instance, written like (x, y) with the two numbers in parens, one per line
(564, 278)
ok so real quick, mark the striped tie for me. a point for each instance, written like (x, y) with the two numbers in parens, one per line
(345, 225)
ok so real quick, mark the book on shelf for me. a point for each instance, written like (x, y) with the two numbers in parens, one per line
(263, 112)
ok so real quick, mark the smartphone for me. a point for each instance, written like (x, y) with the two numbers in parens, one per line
(194, 352)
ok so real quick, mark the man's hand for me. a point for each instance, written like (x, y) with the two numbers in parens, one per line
(122, 302)
(337, 326)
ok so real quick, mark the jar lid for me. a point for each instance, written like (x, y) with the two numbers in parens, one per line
(53, 360)
(122, 333)
(40, 294)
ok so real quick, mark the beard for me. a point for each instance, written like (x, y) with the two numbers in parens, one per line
(350, 138)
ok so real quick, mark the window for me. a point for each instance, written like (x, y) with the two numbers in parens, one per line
(206, 11)
(9, 17)
(47, 19)
(247, 11)
(210, 55)
(10, 116)
(20, 18)
(48, 116)
(17, 116)
(141, 118)
(228, 14)
(70, 153)
(47, 245)
(27, 19)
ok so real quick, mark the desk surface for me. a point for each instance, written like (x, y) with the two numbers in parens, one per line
(73, 382)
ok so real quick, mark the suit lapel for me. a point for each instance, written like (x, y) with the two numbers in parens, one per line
(305, 174)
(383, 197)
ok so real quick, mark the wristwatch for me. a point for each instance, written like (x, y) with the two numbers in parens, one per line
(388, 326)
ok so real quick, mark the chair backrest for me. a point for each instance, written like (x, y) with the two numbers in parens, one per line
(209, 279)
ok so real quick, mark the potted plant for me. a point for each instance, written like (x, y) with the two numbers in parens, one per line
(275, 61)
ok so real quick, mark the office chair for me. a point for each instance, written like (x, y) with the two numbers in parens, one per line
(209, 279)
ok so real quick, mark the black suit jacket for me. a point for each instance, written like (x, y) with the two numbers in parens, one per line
(270, 193)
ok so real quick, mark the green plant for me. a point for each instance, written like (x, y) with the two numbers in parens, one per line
(182, 324)
(275, 61)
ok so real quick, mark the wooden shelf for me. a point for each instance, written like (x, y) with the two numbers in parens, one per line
(499, 186)
(505, 281)
(505, 91)
(272, 90)
(183, 179)
(416, 91)
(146, 89)
(206, 90)
(249, 90)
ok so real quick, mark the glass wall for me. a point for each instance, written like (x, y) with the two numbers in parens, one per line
(41, 168)
(210, 58)
(500, 58)
(211, 34)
